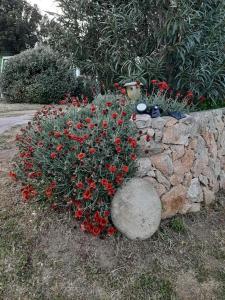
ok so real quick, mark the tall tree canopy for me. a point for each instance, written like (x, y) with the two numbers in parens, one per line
(19, 25)
(181, 41)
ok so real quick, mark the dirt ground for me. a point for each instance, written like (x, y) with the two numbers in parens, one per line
(43, 255)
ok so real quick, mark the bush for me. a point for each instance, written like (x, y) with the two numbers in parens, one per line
(37, 75)
(76, 160)
(181, 42)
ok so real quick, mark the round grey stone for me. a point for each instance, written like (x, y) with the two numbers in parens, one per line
(136, 209)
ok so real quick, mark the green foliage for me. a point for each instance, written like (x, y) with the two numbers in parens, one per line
(180, 41)
(38, 75)
(169, 104)
(177, 224)
(19, 26)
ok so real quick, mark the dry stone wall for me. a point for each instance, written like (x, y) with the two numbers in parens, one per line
(184, 160)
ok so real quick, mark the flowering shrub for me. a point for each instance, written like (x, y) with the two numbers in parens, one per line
(169, 100)
(75, 159)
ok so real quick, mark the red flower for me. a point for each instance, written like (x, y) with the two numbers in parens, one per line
(132, 142)
(118, 149)
(114, 115)
(80, 185)
(28, 192)
(154, 81)
(88, 120)
(124, 113)
(79, 214)
(91, 126)
(87, 195)
(93, 108)
(81, 156)
(103, 222)
(57, 134)
(189, 94)
(13, 175)
(120, 122)
(163, 86)
(133, 156)
(49, 192)
(125, 169)
(92, 150)
(91, 184)
(148, 138)
(117, 141)
(112, 169)
(59, 148)
(104, 182)
(97, 216)
(53, 155)
(96, 231)
(123, 91)
(116, 85)
(111, 231)
(108, 104)
(79, 125)
(104, 124)
(107, 213)
(119, 178)
(133, 117)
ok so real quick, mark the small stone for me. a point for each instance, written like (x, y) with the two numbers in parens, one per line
(144, 166)
(188, 159)
(211, 143)
(171, 122)
(136, 209)
(209, 196)
(191, 207)
(203, 179)
(150, 132)
(162, 179)
(194, 193)
(143, 121)
(173, 201)
(151, 147)
(158, 135)
(193, 144)
(177, 134)
(222, 180)
(158, 123)
(177, 151)
(163, 163)
(175, 179)
(160, 188)
(179, 168)
(187, 179)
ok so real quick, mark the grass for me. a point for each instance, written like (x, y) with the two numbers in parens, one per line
(43, 255)
(177, 224)
(18, 107)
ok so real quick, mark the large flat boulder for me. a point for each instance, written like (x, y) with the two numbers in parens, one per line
(136, 209)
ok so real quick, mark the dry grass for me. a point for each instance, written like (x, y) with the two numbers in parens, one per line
(43, 255)
(18, 108)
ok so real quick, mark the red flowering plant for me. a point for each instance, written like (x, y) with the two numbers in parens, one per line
(76, 159)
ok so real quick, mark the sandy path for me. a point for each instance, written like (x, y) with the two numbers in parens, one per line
(6, 123)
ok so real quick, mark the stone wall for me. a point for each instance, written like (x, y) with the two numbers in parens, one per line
(184, 160)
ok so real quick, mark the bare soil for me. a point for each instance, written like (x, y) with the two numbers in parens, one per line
(44, 255)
